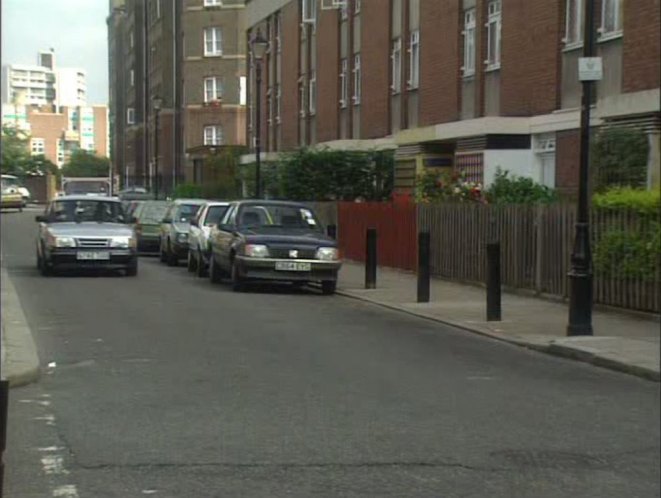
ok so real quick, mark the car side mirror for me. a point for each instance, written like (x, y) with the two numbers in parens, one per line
(225, 227)
(40, 218)
(166, 220)
(194, 223)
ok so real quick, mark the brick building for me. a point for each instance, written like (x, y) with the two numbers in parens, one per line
(190, 55)
(467, 84)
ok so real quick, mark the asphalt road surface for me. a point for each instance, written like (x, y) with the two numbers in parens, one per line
(164, 385)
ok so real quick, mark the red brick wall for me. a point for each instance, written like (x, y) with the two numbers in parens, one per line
(530, 56)
(49, 127)
(290, 71)
(439, 61)
(642, 51)
(328, 62)
(101, 130)
(375, 69)
(566, 160)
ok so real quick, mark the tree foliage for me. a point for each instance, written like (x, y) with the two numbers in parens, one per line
(16, 157)
(512, 189)
(86, 164)
(619, 158)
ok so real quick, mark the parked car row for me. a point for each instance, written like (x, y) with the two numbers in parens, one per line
(244, 241)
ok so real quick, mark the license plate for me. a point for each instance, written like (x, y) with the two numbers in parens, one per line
(93, 255)
(292, 266)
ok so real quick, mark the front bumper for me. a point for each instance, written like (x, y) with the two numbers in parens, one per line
(66, 258)
(264, 269)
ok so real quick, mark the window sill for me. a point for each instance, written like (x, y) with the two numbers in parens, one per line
(571, 47)
(606, 37)
(492, 68)
(213, 55)
(468, 76)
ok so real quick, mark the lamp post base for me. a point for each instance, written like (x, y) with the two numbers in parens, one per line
(580, 304)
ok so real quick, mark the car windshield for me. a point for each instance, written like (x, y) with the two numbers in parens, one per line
(152, 212)
(278, 216)
(87, 210)
(185, 213)
(214, 215)
(86, 187)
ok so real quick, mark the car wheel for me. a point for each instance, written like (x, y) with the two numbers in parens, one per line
(214, 271)
(328, 287)
(163, 256)
(190, 262)
(132, 269)
(200, 265)
(237, 281)
(46, 270)
(172, 259)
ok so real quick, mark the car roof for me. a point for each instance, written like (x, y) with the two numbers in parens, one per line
(88, 198)
(189, 201)
(217, 203)
(257, 202)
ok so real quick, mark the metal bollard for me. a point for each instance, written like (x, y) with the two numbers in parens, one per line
(370, 259)
(4, 405)
(331, 231)
(424, 274)
(493, 282)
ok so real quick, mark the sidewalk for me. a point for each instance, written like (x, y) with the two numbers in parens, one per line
(621, 341)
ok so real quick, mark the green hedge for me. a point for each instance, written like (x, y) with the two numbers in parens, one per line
(645, 202)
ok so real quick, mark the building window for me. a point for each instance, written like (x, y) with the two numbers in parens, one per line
(213, 89)
(312, 93)
(344, 83)
(574, 23)
(309, 9)
(344, 12)
(243, 90)
(301, 95)
(132, 77)
(38, 146)
(278, 99)
(356, 6)
(469, 42)
(493, 35)
(131, 40)
(611, 18)
(212, 3)
(130, 116)
(414, 60)
(212, 42)
(356, 79)
(396, 66)
(213, 135)
(277, 26)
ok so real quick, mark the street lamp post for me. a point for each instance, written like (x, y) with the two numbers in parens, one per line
(580, 298)
(259, 46)
(157, 102)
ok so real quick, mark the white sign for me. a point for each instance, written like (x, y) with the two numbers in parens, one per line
(590, 69)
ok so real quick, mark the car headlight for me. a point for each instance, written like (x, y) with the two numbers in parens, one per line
(182, 237)
(256, 251)
(54, 241)
(328, 254)
(122, 242)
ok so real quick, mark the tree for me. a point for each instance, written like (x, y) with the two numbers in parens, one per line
(619, 158)
(15, 153)
(83, 163)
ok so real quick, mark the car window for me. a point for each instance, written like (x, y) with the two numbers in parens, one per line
(229, 218)
(151, 212)
(87, 210)
(185, 213)
(214, 214)
(281, 216)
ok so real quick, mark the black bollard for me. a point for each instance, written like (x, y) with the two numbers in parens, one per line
(370, 259)
(493, 282)
(331, 230)
(424, 274)
(4, 405)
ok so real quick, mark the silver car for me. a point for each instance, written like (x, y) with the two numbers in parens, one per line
(86, 232)
(198, 238)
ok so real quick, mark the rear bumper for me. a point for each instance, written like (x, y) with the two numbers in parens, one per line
(149, 242)
(180, 249)
(264, 269)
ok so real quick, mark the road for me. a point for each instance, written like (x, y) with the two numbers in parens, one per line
(164, 385)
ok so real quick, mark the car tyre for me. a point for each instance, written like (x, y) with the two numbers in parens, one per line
(328, 287)
(201, 266)
(237, 281)
(132, 269)
(171, 257)
(214, 271)
(163, 256)
(191, 265)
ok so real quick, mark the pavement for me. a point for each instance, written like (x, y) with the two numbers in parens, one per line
(623, 341)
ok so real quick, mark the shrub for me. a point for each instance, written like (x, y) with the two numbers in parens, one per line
(619, 158)
(629, 253)
(513, 189)
(432, 186)
(645, 202)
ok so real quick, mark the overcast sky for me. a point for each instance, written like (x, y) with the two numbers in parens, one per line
(76, 29)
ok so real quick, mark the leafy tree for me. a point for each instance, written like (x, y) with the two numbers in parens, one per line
(15, 153)
(84, 163)
(619, 158)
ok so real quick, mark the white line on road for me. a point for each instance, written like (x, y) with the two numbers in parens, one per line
(53, 465)
(66, 491)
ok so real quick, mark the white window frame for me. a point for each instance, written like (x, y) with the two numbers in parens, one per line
(278, 102)
(396, 66)
(130, 115)
(213, 3)
(278, 32)
(414, 60)
(132, 77)
(302, 97)
(213, 135)
(573, 24)
(309, 11)
(344, 83)
(494, 22)
(37, 146)
(213, 89)
(356, 6)
(357, 79)
(312, 93)
(470, 53)
(615, 31)
(213, 35)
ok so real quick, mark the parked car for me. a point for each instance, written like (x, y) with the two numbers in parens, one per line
(174, 229)
(85, 232)
(148, 216)
(273, 241)
(10, 197)
(13, 181)
(208, 216)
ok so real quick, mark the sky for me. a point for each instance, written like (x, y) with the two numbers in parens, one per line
(76, 29)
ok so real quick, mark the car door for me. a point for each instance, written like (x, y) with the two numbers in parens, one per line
(195, 234)
(165, 226)
(43, 227)
(223, 236)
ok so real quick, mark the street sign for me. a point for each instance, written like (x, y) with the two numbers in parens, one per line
(590, 69)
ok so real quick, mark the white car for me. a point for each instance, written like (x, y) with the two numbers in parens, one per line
(13, 181)
(208, 215)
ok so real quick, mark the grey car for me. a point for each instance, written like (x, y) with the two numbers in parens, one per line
(174, 229)
(77, 232)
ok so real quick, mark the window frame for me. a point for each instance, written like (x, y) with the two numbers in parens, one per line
(302, 97)
(309, 11)
(312, 93)
(470, 50)
(216, 137)
(494, 21)
(217, 89)
(617, 30)
(396, 66)
(216, 41)
(357, 80)
(278, 103)
(42, 146)
(573, 24)
(130, 115)
(213, 3)
(413, 81)
(344, 83)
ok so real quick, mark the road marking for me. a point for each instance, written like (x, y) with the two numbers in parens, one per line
(50, 419)
(149, 491)
(66, 491)
(51, 448)
(35, 401)
(53, 465)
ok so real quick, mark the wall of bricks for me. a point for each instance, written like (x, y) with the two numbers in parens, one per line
(567, 160)
(49, 127)
(439, 61)
(642, 45)
(530, 56)
(328, 62)
(290, 72)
